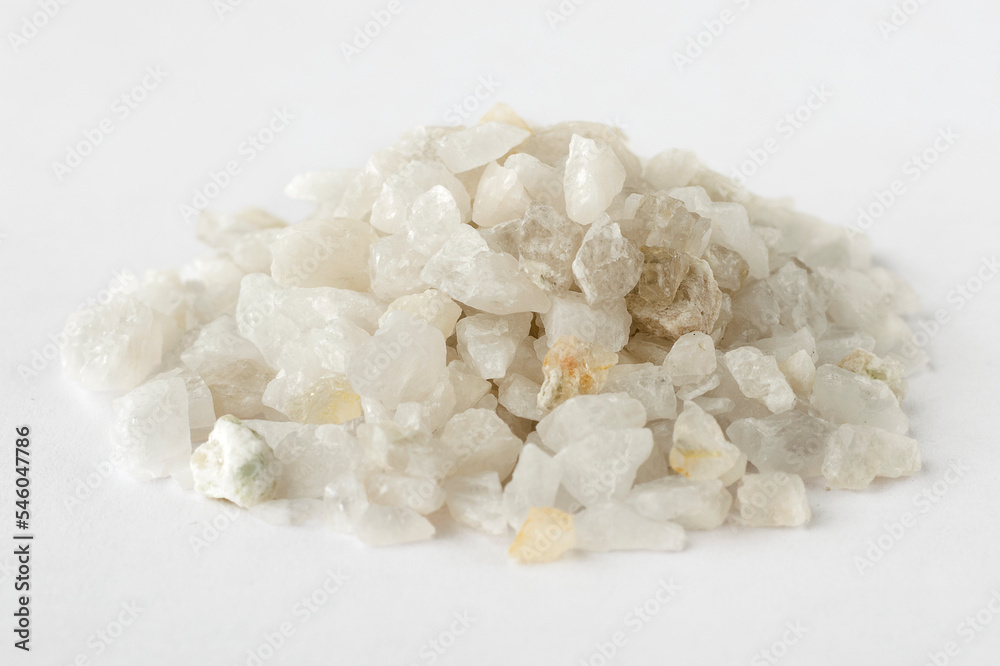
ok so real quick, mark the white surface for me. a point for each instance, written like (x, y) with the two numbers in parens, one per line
(127, 542)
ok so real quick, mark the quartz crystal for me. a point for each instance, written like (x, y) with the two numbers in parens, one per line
(511, 327)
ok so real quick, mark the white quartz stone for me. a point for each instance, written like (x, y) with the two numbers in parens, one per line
(594, 175)
(691, 358)
(151, 431)
(700, 450)
(606, 323)
(695, 505)
(617, 526)
(477, 501)
(772, 499)
(387, 525)
(842, 396)
(534, 483)
(235, 464)
(488, 342)
(473, 147)
(603, 465)
(432, 306)
(579, 417)
(478, 441)
(649, 384)
(759, 377)
(608, 265)
(857, 454)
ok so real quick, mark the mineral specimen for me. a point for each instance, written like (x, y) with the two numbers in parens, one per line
(521, 328)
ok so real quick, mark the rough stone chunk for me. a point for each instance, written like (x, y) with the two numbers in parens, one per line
(605, 324)
(431, 306)
(573, 367)
(863, 362)
(760, 378)
(772, 499)
(488, 342)
(649, 384)
(112, 347)
(534, 483)
(584, 415)
(691, 358)
(695, 505)
(700, 449)
(388, 525)
(616, 526)
(473, 147)
(608, 265)
(791, 442)
(594, 175)
(151, 432)
(235, 464)
(477, 501)
(478, 441)
(695, 306)
(603, 465)
(468, 271)
(857, 454)
(545, 536)
(323, 253)
(843, 396)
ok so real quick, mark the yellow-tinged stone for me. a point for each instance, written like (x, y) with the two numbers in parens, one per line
(571, 368)
(544, 537)
(330, 400)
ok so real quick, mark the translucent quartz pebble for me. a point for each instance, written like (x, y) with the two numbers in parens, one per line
(201, 409)
(547, 533)
(468, 271)
(571, 368)
(488, 342)
(534, 483)
(330, 399)
(112, 347)
(800, 371)
(603, 465)
(547, 245)
(478, 441)
(403, 361)
(273, 317)
(420, 493)
(691, 358)
(433, 218)
(772, 499)
(649, 384)
(501, 113)
(519, 396)
(700, 450)
(432, 306)
(346, 500)
(469, 148)
(323, 253)
(695, 505)
(605, 324)
(543, 182)
(313, 456)
(842, 396)
(469, 387)
(736, 472)
(616, 526)
(381, 525)
(694, 306)
(730, 227)
(151, 432)
(760, 378)
(792, 442)
(477, 501)
(290, 511)
(584, 415)
(857, 454)
(889, 371)
(499, 197)
(401, 190)
(608, 265)
(235, 464)
(594, 175)
(223, 230)
(669, 225)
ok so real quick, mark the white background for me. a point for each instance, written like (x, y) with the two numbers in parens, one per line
(63, 241)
